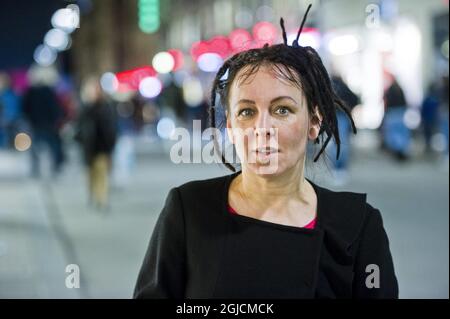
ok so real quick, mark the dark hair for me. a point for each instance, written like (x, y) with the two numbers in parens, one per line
(296, 64)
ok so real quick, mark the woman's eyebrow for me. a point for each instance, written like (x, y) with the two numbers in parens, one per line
(247, 101)
(282, 98)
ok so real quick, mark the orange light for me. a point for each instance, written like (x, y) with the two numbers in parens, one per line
(22, 142)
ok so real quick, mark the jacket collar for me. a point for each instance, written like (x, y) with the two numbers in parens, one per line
(340, 214)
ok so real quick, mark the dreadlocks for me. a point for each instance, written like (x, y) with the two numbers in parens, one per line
(299, 65)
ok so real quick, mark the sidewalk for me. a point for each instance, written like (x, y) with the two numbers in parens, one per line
(32, 253)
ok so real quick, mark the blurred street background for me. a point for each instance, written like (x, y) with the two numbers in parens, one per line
(91, 92)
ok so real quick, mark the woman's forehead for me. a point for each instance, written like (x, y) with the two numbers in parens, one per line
(266, 81)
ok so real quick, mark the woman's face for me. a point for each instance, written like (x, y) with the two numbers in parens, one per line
(268, 122)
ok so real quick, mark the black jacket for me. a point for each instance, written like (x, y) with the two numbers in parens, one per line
(41, 108)
(185, 253)
(97, 129)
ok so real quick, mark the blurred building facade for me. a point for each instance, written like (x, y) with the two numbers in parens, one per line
(110, 40)
(365, 42)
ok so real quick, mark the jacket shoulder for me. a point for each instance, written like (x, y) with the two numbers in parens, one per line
(206, 193)
(344, 213)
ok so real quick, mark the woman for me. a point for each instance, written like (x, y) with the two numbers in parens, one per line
(267, 231)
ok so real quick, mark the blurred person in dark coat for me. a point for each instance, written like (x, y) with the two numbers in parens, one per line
(97, 133)
(396, 135)
(42, 110)
(351, 100)
(394, 96)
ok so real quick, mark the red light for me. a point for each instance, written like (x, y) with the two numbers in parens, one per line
(177, 57)
(124, 79)
(264, 32)
(240, 40)
(130, 79)
(305, 30)
(198, 48)
(218, 44)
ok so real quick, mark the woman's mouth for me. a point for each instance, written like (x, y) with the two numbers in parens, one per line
(265, 154)
(266, 150)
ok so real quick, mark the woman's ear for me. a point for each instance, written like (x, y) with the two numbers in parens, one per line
(315, 123)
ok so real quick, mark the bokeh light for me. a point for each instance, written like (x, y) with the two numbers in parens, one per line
(22, 142)
(192, 92)
(240, 40)
(57, 39)
(178, 59)
(209, 62)
(44, 55)
(344, 44)
(109, 82)
(66, 19)
(163, 62)
(165, 127)
(265, 32)
(150, 87)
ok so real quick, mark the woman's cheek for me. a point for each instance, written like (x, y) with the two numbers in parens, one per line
(292, 137)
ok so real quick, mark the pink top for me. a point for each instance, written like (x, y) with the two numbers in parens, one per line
(311, 225)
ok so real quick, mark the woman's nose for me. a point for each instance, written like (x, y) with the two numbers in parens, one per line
(263, 125)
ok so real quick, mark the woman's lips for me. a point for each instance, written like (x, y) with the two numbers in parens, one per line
(266, 150)
(265, 154)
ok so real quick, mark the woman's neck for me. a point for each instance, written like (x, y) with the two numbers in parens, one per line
(274, 191)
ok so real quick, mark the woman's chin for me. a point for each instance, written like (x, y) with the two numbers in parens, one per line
(265, 168)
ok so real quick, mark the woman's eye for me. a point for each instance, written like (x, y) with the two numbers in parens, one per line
(245, 112)
(282, 110)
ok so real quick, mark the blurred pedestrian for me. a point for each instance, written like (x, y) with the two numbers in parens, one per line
(430, 115)
(172, 97)
(350, 99)
(43, 112)
(9, 111)
(96, 132)
(133, 116)
(396, 135)
(444, 114)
